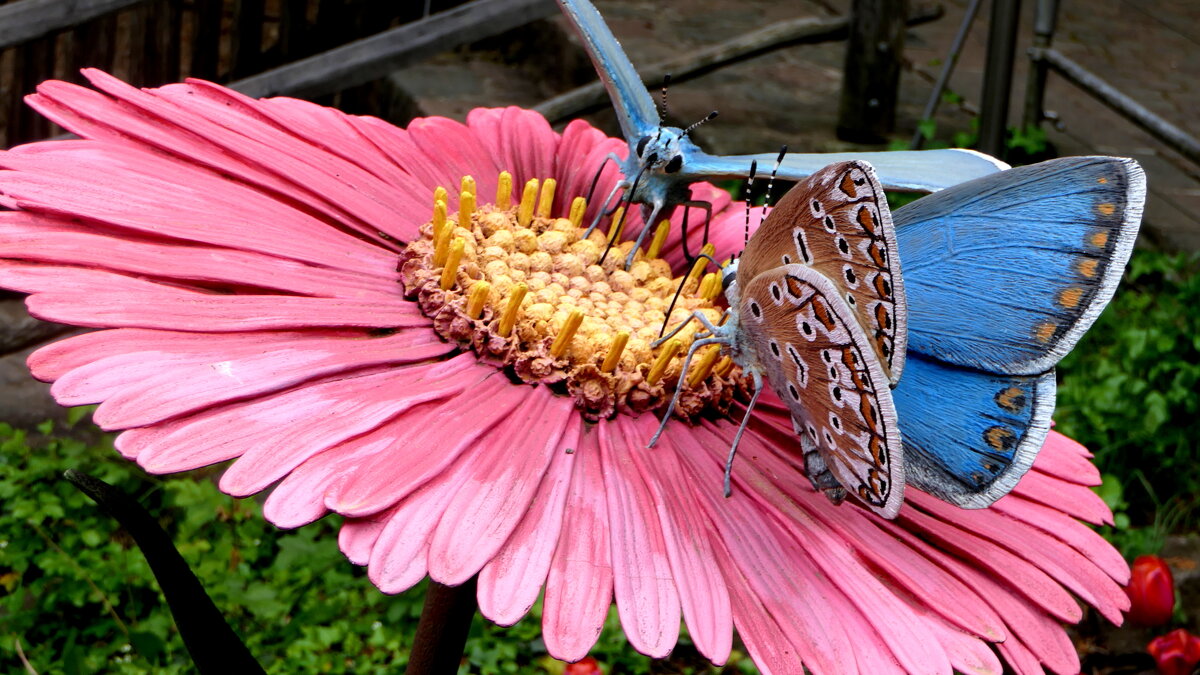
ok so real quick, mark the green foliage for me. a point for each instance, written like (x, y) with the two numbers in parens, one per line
(1128, 392)
(79, 597)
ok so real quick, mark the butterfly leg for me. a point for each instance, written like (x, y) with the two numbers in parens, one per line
(610, 157)
(707, 221)
(648, 224)
(756, 374)
(687, 362)
(621, 185)
(709, 328)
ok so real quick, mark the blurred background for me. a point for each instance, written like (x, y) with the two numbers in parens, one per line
(1112, 77)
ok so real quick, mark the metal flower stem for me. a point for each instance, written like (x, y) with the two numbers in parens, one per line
(212, 644)
(442, 630)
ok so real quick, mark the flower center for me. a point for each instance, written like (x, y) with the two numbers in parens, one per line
(530, 293)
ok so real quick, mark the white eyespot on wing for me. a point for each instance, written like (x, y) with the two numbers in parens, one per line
(801, 240)
(806, 323)
(776, 291)
(798, 362)
(816, 208)
(773, 345)
(850, 276)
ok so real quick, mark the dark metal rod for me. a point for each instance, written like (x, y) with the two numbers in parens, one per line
(442, 630)
(1156, 126)
(212, 644)
(935, 97)
(1045, 19)
(997, 75)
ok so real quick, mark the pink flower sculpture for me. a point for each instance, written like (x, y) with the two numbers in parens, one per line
(276, 284)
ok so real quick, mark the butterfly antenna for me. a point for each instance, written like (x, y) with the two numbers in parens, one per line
(679, 289)
(771, 182)
(662, 115)
(710, 117)
(749, 194)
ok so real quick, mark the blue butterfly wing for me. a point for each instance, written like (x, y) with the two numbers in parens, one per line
(1005, 273)
(635, 109)
(908, 170)
(969, 436)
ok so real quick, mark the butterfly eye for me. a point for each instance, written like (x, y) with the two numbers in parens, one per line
(641, 146)
(675, 164)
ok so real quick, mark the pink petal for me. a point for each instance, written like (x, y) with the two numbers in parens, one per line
(527, 145)
(1060, 561)
(358, 535)
(499, 492)
(1081, 538)
(510, 582)
(756, 626)
(967, 653)
(357, 193)
(44, 239)
(86, 297)
(647, 601)
(900, 630)
(299, 498)
(579, 588)
(277, 432)
(439, 436)
(703, 594)
(154, 391)
(140, 190)
(1072, 499)
(399, 558)
(1066, 460)
(458, 153)
(815, 616)
(1025, 577)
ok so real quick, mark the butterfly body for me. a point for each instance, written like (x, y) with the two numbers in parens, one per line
(662, 161)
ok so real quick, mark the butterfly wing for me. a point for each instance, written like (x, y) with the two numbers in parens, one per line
(817, 359)
(969, 436)
(906, 170)
(837, 221)
(1005, 273)
(635, 109)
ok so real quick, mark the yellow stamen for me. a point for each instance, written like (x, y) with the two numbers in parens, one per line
(618, 225)
(525, 210)
(660, 238)
(479, 296)
(450, 270)
(563, 340)
(614, 352)
(466, 207)
(514, 305)
(704, 366)
(440, 195)
(701, 263)
(546, 200)
(577, 208)
(441, 245)
(468, 185)
(668, 352)
(439, 218)
(709, 285)
(504, 191)
(723, 367)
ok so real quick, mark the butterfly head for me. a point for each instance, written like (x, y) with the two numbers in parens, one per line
(664, 150)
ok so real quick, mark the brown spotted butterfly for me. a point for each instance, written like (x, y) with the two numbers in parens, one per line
(817, 308)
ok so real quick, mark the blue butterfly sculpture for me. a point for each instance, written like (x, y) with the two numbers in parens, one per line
(663, 161)
(1001, 276)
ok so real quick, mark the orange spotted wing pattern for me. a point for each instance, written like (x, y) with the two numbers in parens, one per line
(819, 361)
(837, 221)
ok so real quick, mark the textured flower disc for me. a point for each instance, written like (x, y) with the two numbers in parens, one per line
(241, 260)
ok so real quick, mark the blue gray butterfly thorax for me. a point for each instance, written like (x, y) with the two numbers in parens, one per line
(660, 158)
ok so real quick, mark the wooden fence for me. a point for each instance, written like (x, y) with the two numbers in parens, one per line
(152, 42)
